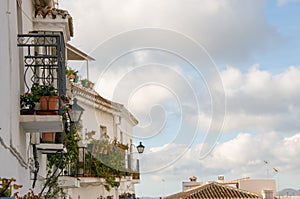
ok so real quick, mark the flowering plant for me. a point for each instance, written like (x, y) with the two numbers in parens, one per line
(27, 101)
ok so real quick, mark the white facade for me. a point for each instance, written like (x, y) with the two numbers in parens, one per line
(14, 143)
(101, 116)
(19, 132)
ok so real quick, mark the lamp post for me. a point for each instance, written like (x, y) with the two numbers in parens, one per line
(140, 148)
(75, 114)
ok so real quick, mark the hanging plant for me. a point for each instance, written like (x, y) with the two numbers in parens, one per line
(7, 186)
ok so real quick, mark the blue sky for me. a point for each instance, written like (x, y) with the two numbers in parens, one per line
(164, 61)
(286, 20)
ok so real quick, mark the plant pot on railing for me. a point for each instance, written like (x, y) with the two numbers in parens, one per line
(85, 83)
(91, 85)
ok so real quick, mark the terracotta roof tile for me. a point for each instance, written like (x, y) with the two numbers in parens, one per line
(213, 190)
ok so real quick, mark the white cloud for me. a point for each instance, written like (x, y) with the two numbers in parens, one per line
(261, 100)
(230, 30)
(241, 156)
(284, 2)
(257, 100)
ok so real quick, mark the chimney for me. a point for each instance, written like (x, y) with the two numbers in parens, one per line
(193, 178)
(220, 178)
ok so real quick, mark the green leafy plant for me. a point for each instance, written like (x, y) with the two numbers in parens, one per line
(98, 169)
(72, 74)
(71, 143)
(7, 185)
(70, 71)
(87, 83)
(106, 160)
(38, 90)
(54, 191)
(60, 161)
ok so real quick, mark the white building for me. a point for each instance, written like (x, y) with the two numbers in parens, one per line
(34, 49)
(16, 149)
(264, 188)
(103, 117)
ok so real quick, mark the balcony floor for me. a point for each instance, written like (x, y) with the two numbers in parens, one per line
(51, 148)
(41, 123)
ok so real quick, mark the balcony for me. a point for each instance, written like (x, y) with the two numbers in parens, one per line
(45, 87)
(96, 166)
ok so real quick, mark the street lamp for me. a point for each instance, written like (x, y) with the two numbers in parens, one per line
(76, 112)
(140, 148)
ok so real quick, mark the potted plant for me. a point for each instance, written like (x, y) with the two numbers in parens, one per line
(46, 95)
(91, 85)
(49, 98)
(72, 75)
(27, 104)
(87, 83)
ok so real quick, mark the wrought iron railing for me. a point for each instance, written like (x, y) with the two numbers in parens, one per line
(44, 69)
(88, 166)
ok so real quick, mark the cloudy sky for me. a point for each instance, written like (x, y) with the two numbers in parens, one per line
(214, 84)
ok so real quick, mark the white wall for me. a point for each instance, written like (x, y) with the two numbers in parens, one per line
(13, 144)
(257, 186)
(92, 118)
(86, 192)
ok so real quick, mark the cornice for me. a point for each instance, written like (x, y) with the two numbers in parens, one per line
(94, 99)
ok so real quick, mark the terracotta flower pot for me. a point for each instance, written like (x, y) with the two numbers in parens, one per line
(105, 151)
(48, 137)
(91, 85)
(49, 103)
(71, 76)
